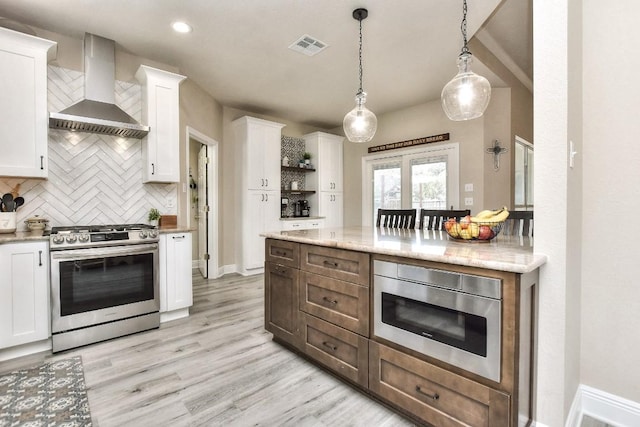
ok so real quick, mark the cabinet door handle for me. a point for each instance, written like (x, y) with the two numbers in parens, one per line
(330, 301)
(434, 396)
(266, 182)
(329, 345)
(266, 197)
(331, 264)
(261, 182)
(40, 258)
(280, 271)
(153, 168)
(262, 200)
(177, 237)
(41, 162)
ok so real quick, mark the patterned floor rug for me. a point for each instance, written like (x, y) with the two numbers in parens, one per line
(53, 394)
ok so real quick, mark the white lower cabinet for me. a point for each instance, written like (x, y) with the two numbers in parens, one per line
(331, 208)
(24, 293)
(302, 224)
(176, 289)
(261, 214)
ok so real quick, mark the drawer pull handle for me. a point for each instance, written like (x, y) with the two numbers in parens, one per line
(330, 301)
(331, 264)
(434, 396)
(279, 253)
(329, 345)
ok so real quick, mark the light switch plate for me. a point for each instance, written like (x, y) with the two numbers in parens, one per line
(468, 187)
(468, 201)
(171, 202)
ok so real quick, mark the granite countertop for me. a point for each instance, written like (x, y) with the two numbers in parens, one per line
(22, 236)
(176, 229)
(505, 253)
(299, 218)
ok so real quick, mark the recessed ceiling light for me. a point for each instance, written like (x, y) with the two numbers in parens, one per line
(181, 27)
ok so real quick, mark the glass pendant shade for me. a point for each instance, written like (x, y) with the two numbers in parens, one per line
(467, 95)
(360, 124)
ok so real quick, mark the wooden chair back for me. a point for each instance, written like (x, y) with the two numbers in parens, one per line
(434, 219)
(519, 223)
(396, 218)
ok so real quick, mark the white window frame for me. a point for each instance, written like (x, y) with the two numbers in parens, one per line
(449, 150)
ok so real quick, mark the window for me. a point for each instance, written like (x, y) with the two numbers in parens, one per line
(413, 178)
(523, 176)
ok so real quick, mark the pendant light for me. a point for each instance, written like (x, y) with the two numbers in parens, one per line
(360, 124)
(467, 95)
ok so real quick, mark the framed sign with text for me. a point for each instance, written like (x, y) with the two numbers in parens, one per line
(409, 143)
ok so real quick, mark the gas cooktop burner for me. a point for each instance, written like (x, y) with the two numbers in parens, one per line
(87, 236)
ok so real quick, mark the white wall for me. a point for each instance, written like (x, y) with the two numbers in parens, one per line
(557, 206)
(611, 155)
(425, 120)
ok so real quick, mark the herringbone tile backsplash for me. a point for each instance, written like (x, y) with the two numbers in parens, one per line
(93, 179)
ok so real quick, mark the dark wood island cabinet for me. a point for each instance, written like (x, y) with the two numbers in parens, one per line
(319, 302)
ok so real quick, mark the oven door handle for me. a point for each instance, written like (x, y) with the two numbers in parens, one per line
(110, 251)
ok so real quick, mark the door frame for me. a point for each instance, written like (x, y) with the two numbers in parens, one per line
(450, 149)
(212, 194)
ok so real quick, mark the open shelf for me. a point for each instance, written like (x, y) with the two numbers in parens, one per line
(297, 169)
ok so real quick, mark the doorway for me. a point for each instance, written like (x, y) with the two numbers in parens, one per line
(202, 201)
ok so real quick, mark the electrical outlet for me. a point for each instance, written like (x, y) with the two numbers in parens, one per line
(171, 202)
(468, 188)
(468, 201)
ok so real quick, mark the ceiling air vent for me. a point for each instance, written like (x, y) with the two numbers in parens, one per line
(308, 45)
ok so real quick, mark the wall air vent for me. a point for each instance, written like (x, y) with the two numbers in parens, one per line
(308, 45)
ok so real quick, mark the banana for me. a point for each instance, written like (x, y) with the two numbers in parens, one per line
(491, 217)
(484, 214)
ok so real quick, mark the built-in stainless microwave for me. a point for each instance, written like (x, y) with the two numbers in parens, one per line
(449, 316)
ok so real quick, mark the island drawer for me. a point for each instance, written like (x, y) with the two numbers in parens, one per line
(433, 394)
(282, 252)
(349, 266)
(341, 351)
(341, 303)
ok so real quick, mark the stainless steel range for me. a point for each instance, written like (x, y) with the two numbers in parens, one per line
(104, 282)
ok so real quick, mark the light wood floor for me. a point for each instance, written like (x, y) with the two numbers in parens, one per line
(218, 367)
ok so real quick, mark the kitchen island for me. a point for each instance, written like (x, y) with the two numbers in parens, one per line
(323, 300)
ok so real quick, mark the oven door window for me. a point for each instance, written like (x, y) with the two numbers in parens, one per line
(96, 283)
(455, 328)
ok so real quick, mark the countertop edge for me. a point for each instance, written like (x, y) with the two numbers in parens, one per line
(538, 259)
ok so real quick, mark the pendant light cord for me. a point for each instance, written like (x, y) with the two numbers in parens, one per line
(463, 29)
(360, 57)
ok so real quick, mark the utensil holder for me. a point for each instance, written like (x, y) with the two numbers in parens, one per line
(7, 222)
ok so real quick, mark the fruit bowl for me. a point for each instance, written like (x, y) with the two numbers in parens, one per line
(473, 231)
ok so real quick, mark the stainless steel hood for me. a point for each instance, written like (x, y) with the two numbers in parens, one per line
(98, 113)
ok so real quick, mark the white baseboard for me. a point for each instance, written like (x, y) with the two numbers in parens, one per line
(25, 350)
(168, 316)
(194, 263)
(607, 407)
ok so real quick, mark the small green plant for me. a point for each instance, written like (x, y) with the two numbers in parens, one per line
(306, 156)
(154, 214)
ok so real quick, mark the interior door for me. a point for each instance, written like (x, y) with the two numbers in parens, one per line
(203, 212)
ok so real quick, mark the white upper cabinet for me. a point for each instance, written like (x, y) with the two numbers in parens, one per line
(161, 112)
(326, 149)
(261, 147)
(23, 104)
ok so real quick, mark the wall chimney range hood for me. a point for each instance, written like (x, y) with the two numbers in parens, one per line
(98, 113)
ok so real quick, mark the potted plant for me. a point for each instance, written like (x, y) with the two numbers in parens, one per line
(307, 158)
(154, 216)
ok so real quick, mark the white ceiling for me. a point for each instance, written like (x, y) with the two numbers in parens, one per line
(238, 51)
